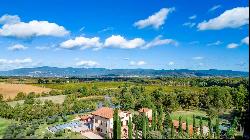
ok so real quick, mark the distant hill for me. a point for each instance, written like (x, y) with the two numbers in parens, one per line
(46, 71)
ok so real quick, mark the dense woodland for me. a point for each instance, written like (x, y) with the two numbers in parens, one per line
(213, 95)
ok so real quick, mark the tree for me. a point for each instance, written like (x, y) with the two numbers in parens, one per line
(119, 128)
(217, 130)
(180, 125)
(144, 127)
(59, 133)
(47, 135)
(210, 127)
(154, 120)
(172, 130)
(201, 127)
(115, 124)
(130, 127)
(154, 135)
(136, 134)
(187, 127)
(160, 119)
(194, 125)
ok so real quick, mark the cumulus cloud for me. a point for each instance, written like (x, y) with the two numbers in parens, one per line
(118, 41)
(245, 40)
(87, 63)
(155, 20)
(158, 42)
(137, 63)
(192, 17)
(82, 42)
(215, 43)
(9, 19)
(214, 8)
(198, 58)
(115, 41)
(17, 47)
(13, 27)
(15, 61)
(233, 18)
(232, 45)
(189, 24)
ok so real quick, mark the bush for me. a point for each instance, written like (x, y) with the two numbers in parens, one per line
(59, 133)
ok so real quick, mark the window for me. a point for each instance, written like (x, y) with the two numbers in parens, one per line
(96, 121)
(101, 122)
(101, 130)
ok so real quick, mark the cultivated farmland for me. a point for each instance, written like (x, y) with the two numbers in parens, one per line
(11, 90)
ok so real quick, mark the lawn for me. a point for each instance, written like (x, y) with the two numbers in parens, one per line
(188, 115)
(4, 123)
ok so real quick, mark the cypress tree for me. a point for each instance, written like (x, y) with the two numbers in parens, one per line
(172, 130)
(119, 128)
(136, 134)
(154, 120)
(160, 119)
(180, 125)
(115, 123)
(210, 127)
(147, 125)
(144, 133)
(217, 130)
(187, 127)
(201, 127)
(130, 133)
(194, 125)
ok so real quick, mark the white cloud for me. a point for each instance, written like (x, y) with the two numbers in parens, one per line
(42, 48)
(81, 29)
(118, 41)
(233, 18)
(17, 47)
(189, 24)
(106, 29)
(171, 63)
(15, 62)
(82, 42)
(87, 63)
(245, 40)
(9, 19)
(155, 20)
(138, 63)
(15, 28)
(232, 45)
(126, 58)
(192, 17)
(215, 43)
(158, 42)
(214, 8)
(198, 58)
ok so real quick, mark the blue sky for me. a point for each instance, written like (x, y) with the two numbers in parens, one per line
(158, 34)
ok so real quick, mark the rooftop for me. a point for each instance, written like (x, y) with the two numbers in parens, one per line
(104, 112)
(144, 110)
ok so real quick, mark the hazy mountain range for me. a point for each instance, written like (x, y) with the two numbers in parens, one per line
(46, 71)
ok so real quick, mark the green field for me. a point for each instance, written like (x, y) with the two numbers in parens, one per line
(114, 86)
(4, 123)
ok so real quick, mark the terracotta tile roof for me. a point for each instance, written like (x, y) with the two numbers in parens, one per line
(144, 110)
(104, 112)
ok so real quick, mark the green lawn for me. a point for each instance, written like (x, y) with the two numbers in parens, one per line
(188, 115)
(3, 125)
